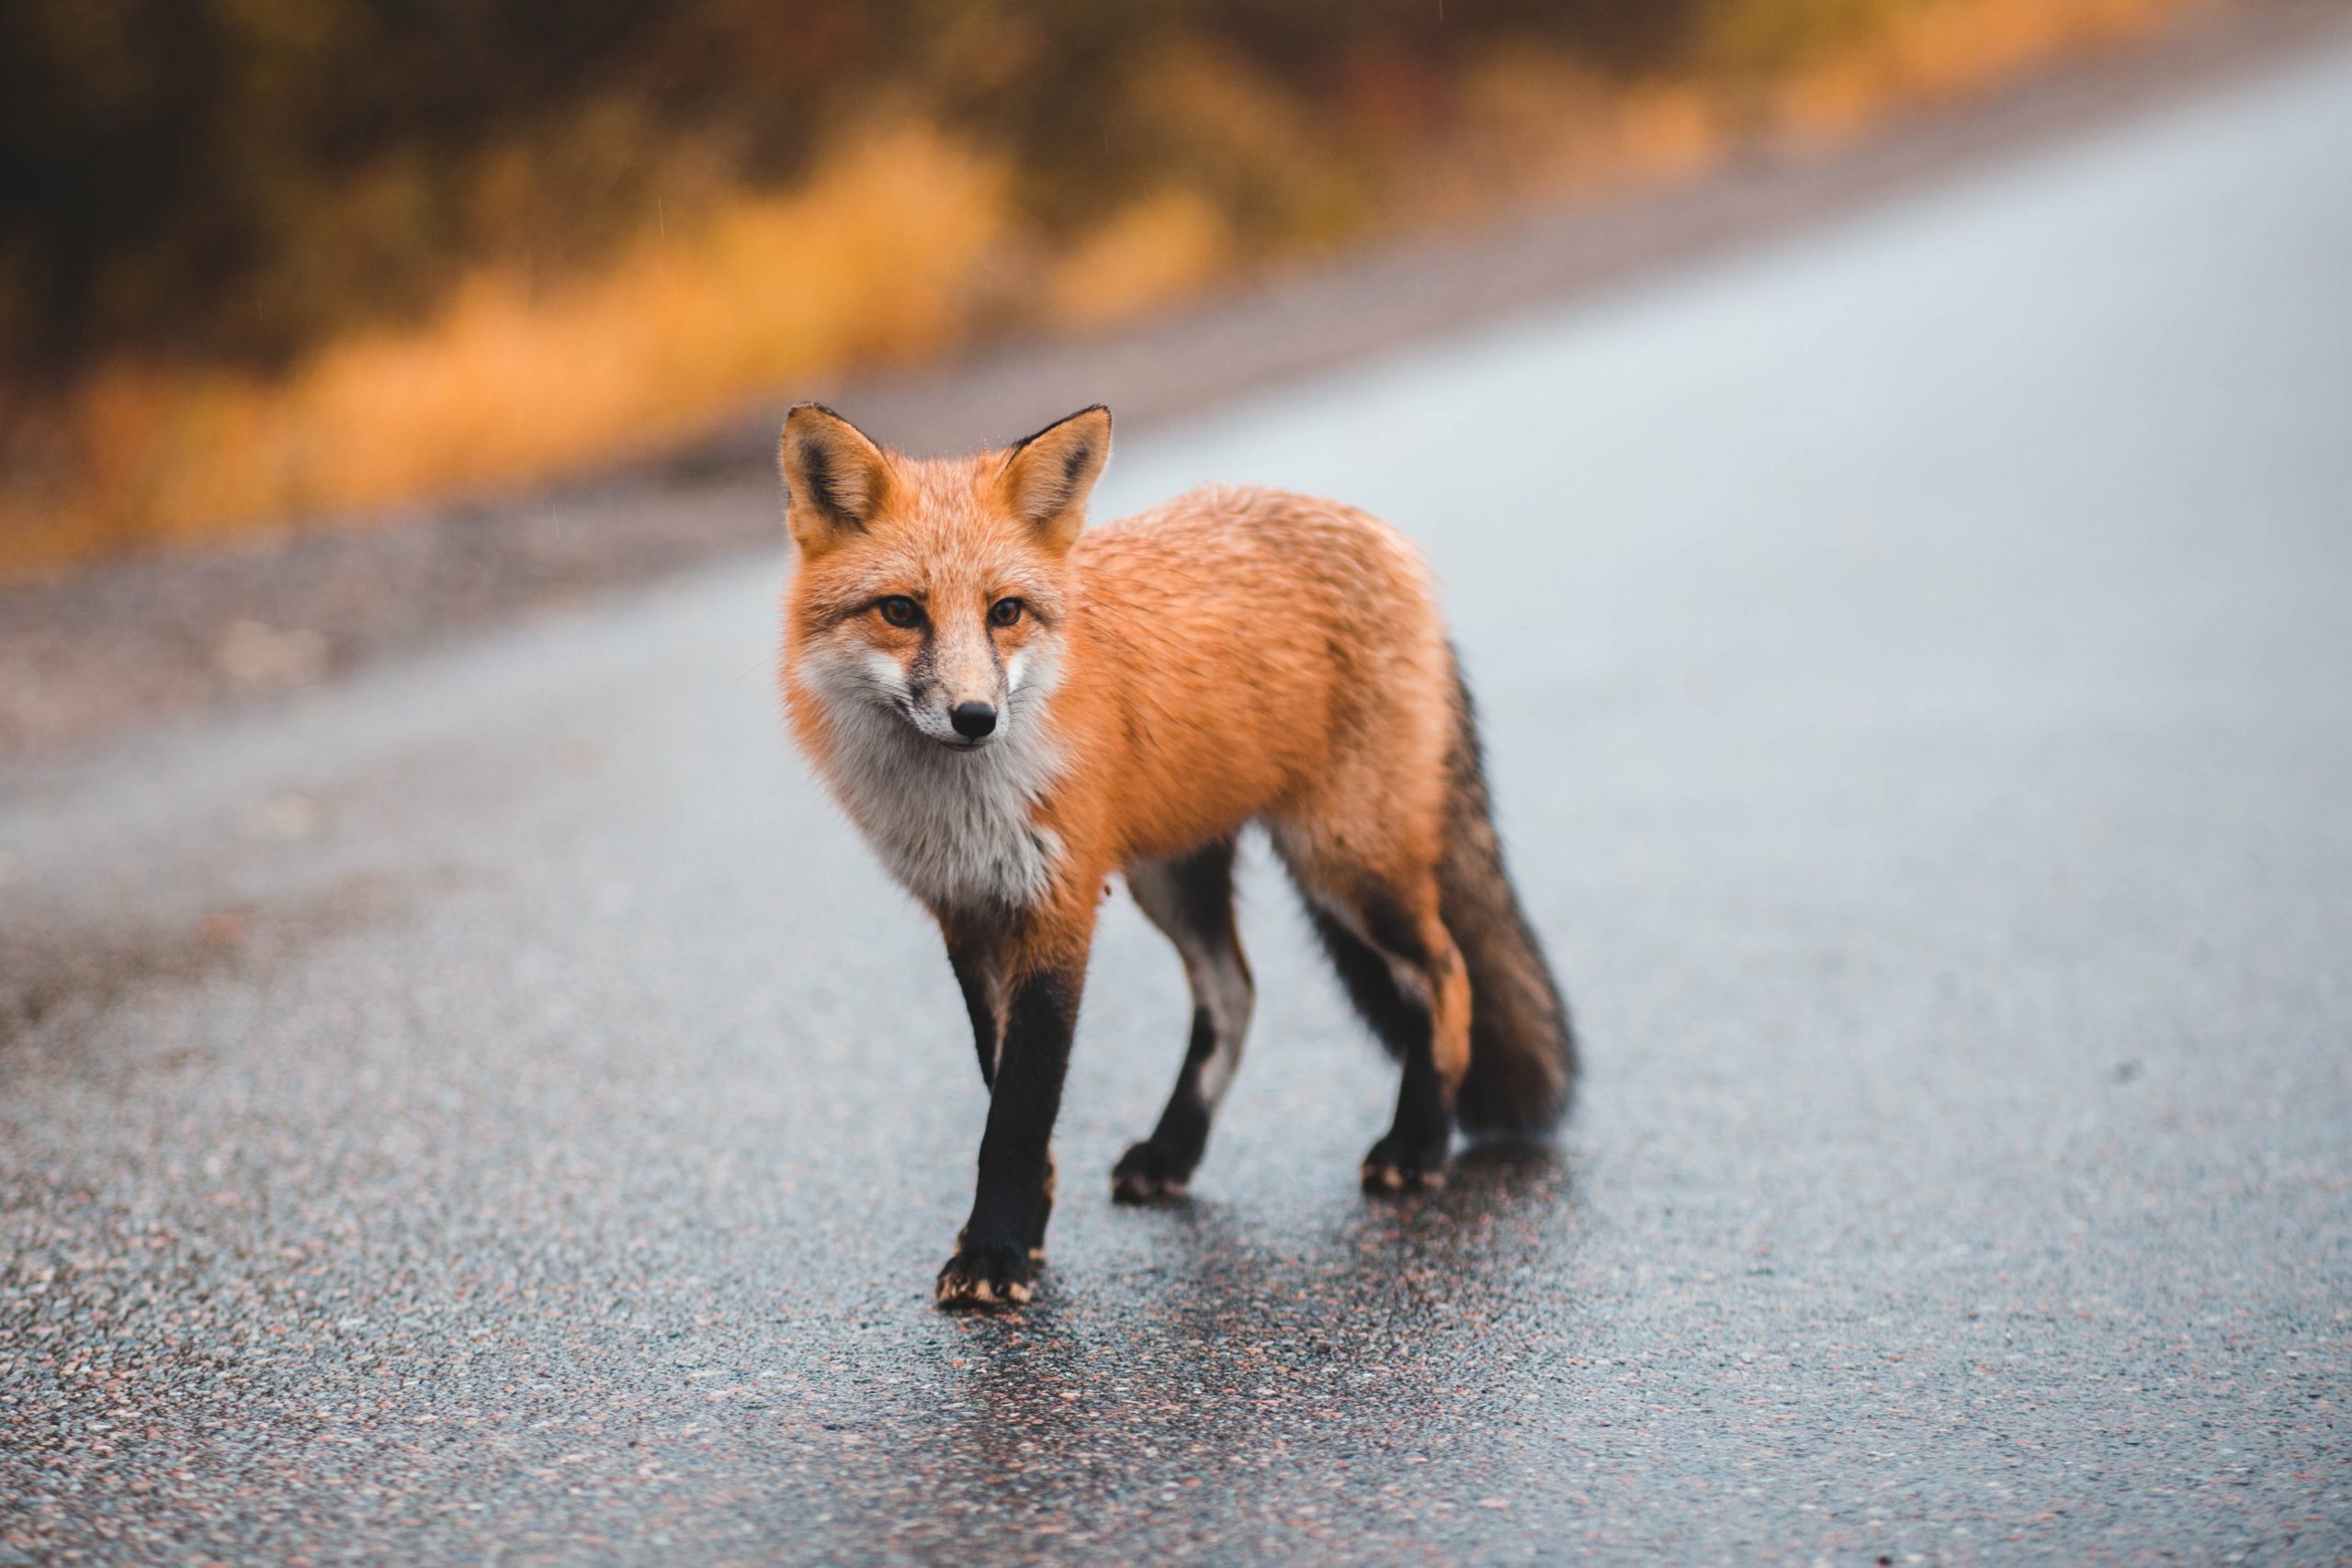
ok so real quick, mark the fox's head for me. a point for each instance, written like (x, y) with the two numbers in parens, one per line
(935, 592)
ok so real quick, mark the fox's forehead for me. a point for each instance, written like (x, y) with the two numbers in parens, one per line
(946, 506)
(946, 532)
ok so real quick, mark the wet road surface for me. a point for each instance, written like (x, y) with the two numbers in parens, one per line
(494, 1112)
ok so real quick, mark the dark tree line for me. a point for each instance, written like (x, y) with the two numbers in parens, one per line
(229, 179)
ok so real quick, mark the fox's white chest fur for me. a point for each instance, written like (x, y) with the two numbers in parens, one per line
(956, 829)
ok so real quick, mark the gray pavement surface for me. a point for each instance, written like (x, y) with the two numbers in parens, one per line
(494, 1110)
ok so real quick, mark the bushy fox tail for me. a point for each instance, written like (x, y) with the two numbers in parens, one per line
(1522, 1048)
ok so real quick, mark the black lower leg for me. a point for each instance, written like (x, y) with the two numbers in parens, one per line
(1183, 1128)
(1163, 1163)
(1014, 1195)
(1413, 1151)
(1190, 899)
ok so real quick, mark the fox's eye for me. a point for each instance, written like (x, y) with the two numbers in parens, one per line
(1004, 612)
(900, 610)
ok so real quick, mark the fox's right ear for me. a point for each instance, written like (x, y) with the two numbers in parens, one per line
(835, 479)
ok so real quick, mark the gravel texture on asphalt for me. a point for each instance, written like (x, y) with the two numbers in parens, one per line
(492, 1110)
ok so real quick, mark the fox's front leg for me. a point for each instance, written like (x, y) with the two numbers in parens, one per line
(978, 963)
(995, 1255)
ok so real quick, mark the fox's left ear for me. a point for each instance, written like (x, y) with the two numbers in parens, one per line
(1047, 477)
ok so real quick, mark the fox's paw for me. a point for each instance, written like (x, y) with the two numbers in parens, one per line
(1147, 1173)
(980, 1277)
(1394, 1165)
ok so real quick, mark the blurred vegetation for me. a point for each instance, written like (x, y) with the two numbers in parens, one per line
(261, 258)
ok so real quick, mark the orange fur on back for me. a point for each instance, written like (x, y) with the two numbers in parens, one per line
(1237, 652)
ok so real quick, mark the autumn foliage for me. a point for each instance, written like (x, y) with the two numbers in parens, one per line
(287, 259)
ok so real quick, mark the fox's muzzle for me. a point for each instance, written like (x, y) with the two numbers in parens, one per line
(961, 692)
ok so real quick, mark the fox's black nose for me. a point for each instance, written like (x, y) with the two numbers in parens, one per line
(973, 720)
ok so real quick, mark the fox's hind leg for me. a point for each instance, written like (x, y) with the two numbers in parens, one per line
(1190, 899)
(1402, 971)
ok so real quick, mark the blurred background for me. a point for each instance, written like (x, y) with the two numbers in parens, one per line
(1885, 465)
(273, 261)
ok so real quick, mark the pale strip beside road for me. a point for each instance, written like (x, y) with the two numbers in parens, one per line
(495, 1110)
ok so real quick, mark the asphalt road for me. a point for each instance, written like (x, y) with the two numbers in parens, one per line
(494, 1110)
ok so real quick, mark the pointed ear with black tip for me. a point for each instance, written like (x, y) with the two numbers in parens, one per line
(835, 479)
(1046, 478)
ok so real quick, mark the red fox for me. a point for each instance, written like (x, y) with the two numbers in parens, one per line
(1013, 708)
